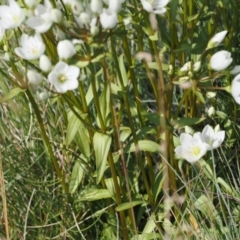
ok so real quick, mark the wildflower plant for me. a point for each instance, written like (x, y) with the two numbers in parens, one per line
(121, 97)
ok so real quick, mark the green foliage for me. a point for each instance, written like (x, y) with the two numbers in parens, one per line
(98, 162)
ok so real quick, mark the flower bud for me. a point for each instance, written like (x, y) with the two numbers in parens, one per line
(65, 49)
(34, 78)
(43, 96)
(186, 67)
(108, 19)
(210, 94)
(196, 66)
(217, 128)
(45, 63)
(56, 15)
(85, 18)
(96, 6)
(94, 30)
(216, 39)
(188, 130)
(170, 70)
(220, 60)
(211, 111)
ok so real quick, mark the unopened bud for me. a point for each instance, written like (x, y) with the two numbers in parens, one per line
(211, 111)
(45, 63)
(56, 15)
(43, 96)
(189, 130)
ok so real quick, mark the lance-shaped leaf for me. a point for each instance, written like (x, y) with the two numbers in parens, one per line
(76, 177)
(11, 94)
(101, 144)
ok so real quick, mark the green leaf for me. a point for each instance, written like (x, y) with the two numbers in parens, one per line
(125, 133)
(144, 145)
(11, 94)
(128, 205)
(74, 124)
(154, 65)
(93, 194)
(82, 64)
(101, 144)
(157, 186)
(83, 141)
(205, 205)
(148, 236)
(104, 102)
(110, 186)
(76, 177)
(199, 96)
(183, 48)
(173, 5)
(151, 223)
(154, 37)
(178, 123)
(227, 188)
(123, 71)
(97, 58)
(89, 95)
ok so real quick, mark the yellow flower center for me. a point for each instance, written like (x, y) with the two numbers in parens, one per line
(62, 78)
(195, 150)
(15, 18)
(34, 51)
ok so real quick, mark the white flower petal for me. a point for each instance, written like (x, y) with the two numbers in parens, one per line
(220, 60)
(64, 77)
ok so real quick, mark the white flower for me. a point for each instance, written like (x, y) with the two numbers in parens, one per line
(216, 39)
(235, 88)
(220, 60)
(65, 49)
(64, 77)
(156, 6)
(45, 63)
(235, 70)
(42, 21)
(212, 138)
(192, 148)
(108, 19)
(31, 47)
(96, 6)
(34, 78)
(11, 16)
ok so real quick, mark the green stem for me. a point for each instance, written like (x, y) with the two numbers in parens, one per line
(47, 143)
(135, 139)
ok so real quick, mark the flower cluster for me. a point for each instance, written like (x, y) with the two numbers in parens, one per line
(193, 147)
(43, 18)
